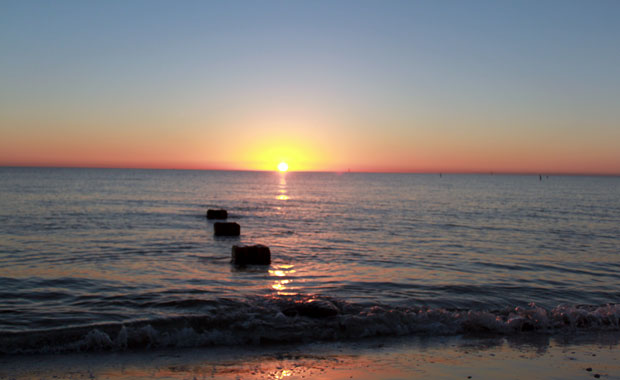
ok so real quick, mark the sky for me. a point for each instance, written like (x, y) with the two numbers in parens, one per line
(396, 86)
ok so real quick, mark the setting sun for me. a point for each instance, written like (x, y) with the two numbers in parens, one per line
(282, 166)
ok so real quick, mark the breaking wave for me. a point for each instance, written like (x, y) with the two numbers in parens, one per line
(266, 320)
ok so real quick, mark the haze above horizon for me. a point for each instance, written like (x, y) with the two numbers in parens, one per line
(481, 86)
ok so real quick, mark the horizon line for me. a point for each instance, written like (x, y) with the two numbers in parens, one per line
(447, 172)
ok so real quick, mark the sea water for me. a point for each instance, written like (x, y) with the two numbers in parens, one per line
(115, 259)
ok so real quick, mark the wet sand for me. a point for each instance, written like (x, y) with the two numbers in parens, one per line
(533, 357)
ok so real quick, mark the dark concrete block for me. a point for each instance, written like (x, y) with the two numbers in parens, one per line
(217, 214)
(226, 229)
(251, 255)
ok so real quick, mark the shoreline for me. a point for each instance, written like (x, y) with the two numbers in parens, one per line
(453, 357)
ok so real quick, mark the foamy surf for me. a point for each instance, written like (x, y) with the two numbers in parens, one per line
(302, 319)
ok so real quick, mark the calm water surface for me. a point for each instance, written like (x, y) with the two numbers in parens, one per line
(104, 257)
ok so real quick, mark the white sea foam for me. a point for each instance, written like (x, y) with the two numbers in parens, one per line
(303, 319)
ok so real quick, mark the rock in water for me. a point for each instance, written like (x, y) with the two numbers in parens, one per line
(217, 214)
(251, 255)
(226, 229)
(313, 308)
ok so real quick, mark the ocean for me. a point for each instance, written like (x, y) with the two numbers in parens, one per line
(120, 259)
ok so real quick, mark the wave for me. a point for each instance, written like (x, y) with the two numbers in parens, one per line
(288, 319)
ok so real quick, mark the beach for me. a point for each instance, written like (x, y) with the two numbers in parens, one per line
(524, 357)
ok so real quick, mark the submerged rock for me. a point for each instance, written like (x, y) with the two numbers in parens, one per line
(217, 214)
(226, 229)
(313, 308)
(251, 255)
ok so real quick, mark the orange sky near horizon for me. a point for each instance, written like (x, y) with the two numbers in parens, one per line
(259, 137)
(308, 149)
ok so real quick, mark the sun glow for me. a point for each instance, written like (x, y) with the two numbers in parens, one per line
(282, 166)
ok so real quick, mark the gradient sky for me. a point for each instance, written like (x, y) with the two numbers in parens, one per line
(414, 86)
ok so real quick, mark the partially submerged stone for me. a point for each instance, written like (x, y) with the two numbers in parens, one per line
(217, 214)
(226, 229)
(251, 255)
(314, 308)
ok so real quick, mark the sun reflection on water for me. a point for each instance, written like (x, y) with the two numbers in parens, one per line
(282, 189)
(282, 284)
(278, 273)
(284, 373)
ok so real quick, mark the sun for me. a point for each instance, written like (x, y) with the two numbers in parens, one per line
(282, 166)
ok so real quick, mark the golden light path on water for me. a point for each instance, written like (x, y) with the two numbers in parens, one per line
(282, 189)
(282, 284)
